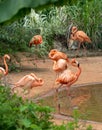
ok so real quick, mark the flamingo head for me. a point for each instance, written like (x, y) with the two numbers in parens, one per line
(7, 56)
(75, 63)
(74, 29)
(41, 81)
(37, 39)
(52, 53)
(38, 83)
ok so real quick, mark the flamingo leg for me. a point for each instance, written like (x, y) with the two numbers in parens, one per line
(77, 51)
(69, 105)
(36, 52)
(57, 98)
(84, 49)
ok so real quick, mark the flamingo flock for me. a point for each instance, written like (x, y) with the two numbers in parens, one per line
(61, 63)
(64, 75)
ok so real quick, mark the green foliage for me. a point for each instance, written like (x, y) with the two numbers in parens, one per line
(75, 124)
(16, 114)
(15, 38)
(17, 9)
(90, 20)
(52, 22)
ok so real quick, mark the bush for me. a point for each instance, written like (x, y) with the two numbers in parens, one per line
(54, 21)
(15, 37)
(16, 114)
(51, 22)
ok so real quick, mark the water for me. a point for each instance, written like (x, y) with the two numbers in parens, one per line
(87, 99)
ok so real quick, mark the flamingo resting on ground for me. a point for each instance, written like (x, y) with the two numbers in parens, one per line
(67, 77)
(28, 82)
(4, 72)
(80, 36)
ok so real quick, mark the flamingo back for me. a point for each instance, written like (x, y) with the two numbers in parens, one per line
(83, 37)
(2, 72)
(60, 65)
(66, 77)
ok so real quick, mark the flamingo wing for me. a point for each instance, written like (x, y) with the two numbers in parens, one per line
(25, 81)
(65, 77)
(60, 65)
(83, 36)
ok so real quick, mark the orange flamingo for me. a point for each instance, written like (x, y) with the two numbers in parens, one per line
(28, 82)
(67, 77)
(4, 72)
(60, 65)
(54, 54)
(36, 40)
(80, 36)
(60, 60)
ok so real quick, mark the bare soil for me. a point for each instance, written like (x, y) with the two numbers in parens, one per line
(91, 73)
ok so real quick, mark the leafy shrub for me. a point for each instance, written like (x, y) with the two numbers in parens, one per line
(15, 38)
(16, 114)
(54, 21)
(75, 124)
(51, 22)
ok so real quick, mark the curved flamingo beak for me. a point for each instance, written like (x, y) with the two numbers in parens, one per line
(78, 64)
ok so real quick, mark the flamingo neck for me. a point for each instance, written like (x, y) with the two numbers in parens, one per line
(6, 66)
(75, 30)
(78, 72)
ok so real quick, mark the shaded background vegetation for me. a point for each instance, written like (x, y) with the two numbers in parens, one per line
(52, 23)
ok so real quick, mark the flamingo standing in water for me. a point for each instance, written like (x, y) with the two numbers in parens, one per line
(80, 36)
(67, 77)
(4, 72)
(28, 82)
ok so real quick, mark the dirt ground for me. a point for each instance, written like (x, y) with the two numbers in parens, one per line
(91, 73)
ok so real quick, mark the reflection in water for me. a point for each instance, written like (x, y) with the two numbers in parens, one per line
(88, 100)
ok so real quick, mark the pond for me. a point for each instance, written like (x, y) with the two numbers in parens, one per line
(87, 99)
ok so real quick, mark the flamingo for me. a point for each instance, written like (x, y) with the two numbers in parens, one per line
(80, 36)
(4, 72)
(27, 82)
(60, 60)
(54, 54)
(37, 39)
(67, 77)
(60, 65)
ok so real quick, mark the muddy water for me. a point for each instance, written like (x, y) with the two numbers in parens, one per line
(87, 99)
